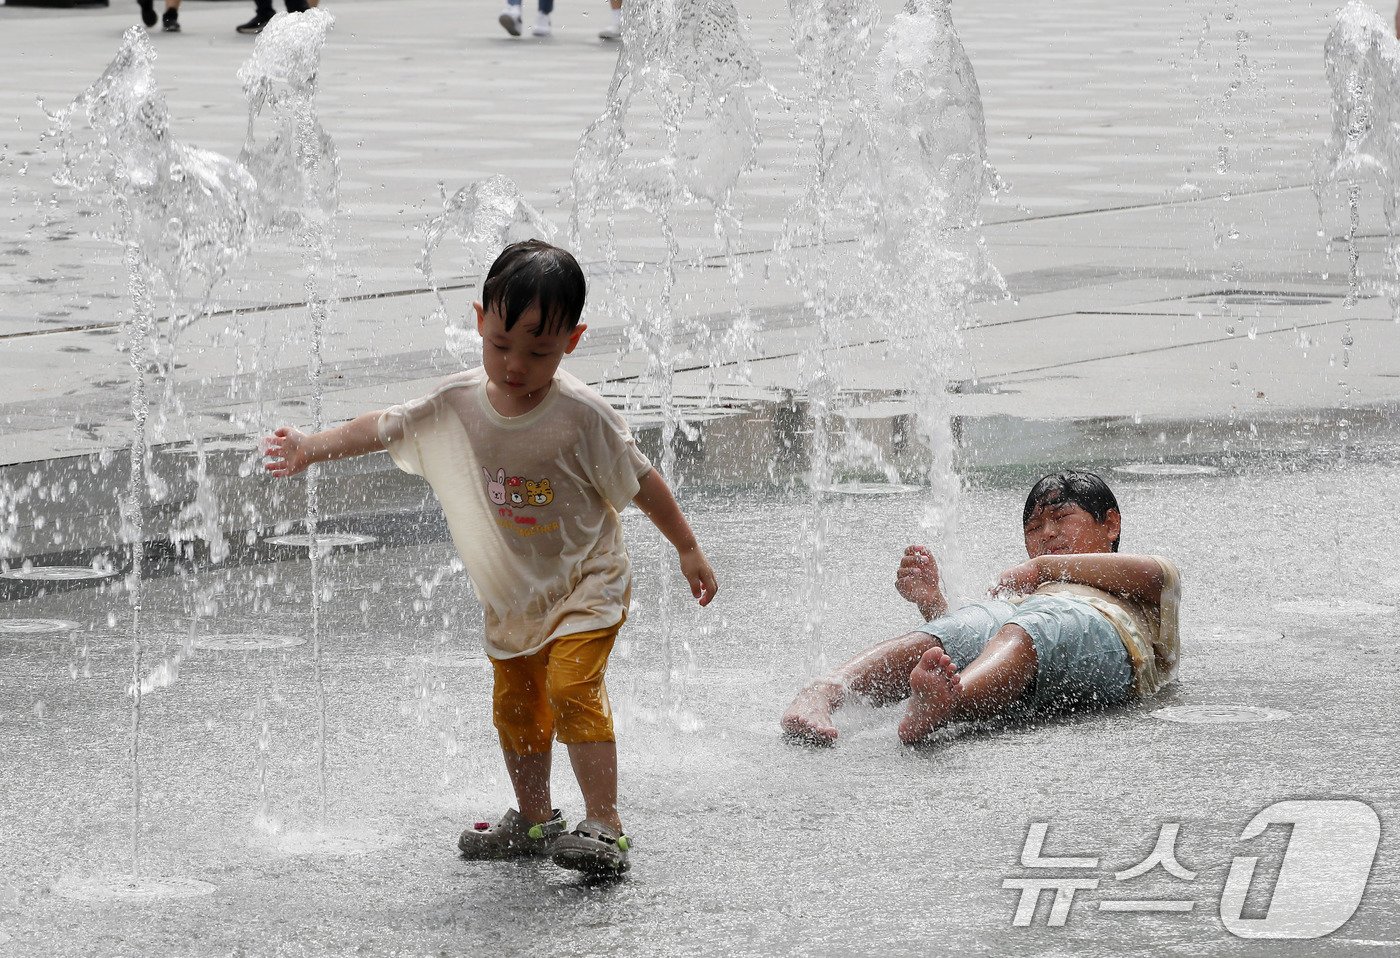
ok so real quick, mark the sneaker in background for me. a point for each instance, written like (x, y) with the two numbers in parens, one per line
(148, 12)
(170, 21)
(511, 19)
(542, 26)
(612, 31)
(254, 26)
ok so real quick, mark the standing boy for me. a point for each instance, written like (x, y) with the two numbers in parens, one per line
(531, 468)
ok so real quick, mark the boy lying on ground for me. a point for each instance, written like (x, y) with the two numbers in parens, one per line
(1077, 626)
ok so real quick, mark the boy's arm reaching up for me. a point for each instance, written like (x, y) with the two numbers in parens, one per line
(657, 504)
(290, 451)
(918, 581)
(1135, 577)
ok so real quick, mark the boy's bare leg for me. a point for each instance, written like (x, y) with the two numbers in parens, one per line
(881, 674)
(988, 686)
(595, 767)
(529, 776)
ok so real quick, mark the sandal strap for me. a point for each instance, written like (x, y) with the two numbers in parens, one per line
(592, 828)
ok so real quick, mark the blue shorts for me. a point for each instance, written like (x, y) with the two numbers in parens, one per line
(1080, 658)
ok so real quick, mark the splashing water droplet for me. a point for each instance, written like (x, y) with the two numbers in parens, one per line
(484, 216)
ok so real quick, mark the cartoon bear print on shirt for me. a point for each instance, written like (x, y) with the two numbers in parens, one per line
(515, 488)
(538, 493)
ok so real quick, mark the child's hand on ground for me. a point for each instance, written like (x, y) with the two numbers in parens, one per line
(918, 581)
(1020, 579)
(285, 452)
(696, 569)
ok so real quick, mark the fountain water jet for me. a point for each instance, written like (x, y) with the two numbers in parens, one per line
(181, 217)
(910, 168)
(184, 219)
(829, 37)
(924, 146)
(485, 216)
(1362, 59)
(684, 70)
(298, 169)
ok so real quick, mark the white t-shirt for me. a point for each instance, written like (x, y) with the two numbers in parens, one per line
(531, 502)
(1150, 632)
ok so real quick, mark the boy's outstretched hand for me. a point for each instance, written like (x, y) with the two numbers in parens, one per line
(698, 573)
(918, 581)
(285, 452)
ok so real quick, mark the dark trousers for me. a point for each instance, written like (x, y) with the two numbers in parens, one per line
(293, 6)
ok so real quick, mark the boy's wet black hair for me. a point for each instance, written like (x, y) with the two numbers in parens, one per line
(530, 272)
(1087, 490)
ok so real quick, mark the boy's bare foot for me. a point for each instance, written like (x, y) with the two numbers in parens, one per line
(808, 719)
(935, 689)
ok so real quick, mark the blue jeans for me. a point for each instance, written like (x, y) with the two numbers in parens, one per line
(1080, 658)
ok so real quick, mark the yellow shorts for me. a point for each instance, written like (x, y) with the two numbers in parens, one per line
(558, 690)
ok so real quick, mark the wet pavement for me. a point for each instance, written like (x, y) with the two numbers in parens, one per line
(744, 844)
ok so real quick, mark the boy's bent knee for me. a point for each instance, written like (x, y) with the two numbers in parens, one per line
(1012, 647)
(1015, 637)
(524, 733)
(524, 743)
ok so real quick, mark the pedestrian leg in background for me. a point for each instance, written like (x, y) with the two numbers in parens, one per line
(542, 26)
(264, 13)
(613, 31)
(170, 19)
(510, 19)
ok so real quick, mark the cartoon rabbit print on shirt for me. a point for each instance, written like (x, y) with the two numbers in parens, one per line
(496, 488)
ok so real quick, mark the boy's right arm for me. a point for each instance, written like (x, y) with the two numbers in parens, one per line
(918, 581)
(290, 451)
(1130, 576)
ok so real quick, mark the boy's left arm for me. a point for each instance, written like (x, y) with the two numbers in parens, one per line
(1135, 577)
(657, 504)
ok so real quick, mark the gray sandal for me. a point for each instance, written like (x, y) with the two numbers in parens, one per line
(594, 848)
(512, 837)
